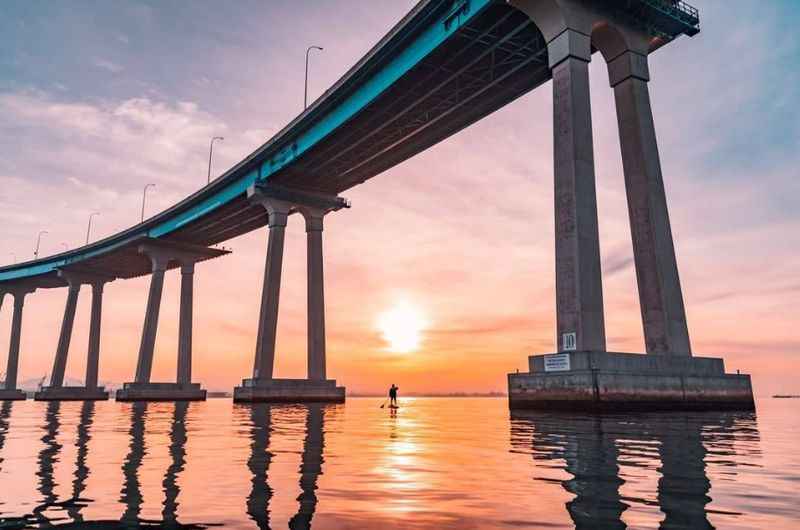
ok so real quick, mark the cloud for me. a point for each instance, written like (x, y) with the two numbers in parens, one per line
(109, 66)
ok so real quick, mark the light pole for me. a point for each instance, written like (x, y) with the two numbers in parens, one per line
(38, 242)
(144, 196)
(211, 150)
(305, 91)
(89, 228)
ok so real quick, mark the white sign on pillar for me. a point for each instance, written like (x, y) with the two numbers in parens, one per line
(569, 341)
(557, 363)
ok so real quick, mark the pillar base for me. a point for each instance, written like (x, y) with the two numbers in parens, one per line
(161, 392)
(288, 391)
(613, 382)
(71, 393)
(13, 394)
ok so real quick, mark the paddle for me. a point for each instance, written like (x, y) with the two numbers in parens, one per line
(384, 402)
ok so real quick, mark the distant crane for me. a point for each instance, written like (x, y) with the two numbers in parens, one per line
(41, 382)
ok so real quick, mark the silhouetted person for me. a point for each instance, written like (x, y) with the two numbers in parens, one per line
(393, 395)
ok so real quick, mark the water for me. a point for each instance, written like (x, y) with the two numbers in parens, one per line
(435, 463)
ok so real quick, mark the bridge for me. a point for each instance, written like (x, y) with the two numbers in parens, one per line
(444, 66)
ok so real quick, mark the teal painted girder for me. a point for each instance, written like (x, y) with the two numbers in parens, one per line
(302, 135)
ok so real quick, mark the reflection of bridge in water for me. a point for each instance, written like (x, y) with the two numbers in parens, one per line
(53, 512)
(599, 450)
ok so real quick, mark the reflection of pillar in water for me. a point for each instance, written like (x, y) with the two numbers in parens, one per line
(258, 463)
(590, 456)
(310, 466)
(592, 460)
(81, 469)
(177, 451)
(48, 456)
(131, 494)
(683, 486)
(5, 413)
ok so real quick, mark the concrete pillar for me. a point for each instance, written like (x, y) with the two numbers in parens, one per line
(270, 294)
(16, 334)
(660, 296)
(316, 297)
(579, 290)
(64, 338)
(150, 328)
(93, 355)
(185, 324)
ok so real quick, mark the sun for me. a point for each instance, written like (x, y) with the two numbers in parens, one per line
(402, 326)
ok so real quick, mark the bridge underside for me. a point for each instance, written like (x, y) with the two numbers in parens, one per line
(497, 57)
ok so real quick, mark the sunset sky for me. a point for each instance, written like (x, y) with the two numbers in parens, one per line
(98, 99)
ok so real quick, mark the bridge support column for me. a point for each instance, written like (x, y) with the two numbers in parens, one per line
(10, 390)
(278, 212)
(185, 329)
(660, 296)
(163, 254)
(144, 364)
(279, 204)
(93, 355)
(90, 391)
(316, 296)
(579, 290)
(65, 337)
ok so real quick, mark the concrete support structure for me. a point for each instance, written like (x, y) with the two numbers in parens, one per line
(583, 375)
(10, 390)
(660, 295)
(316, 295)
(163, 255)
(579, 288)
(279, 203)
(90, 391)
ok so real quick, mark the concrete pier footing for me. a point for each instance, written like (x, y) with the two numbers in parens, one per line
(161, 392)
(71, 393)
(12, 394)
(289, 391)
(606, 381)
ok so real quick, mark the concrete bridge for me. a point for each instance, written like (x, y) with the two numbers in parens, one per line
(445, 65)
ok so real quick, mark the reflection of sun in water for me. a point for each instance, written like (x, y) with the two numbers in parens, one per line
(401, 326)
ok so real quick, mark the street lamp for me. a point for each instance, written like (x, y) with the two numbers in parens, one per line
(211, 150)
(305, 92)
(38, 242)
(89, 228)
(144, 196)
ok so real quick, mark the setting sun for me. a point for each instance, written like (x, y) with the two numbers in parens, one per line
(401, 327)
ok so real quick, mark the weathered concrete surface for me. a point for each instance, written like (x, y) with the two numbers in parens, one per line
(161, 392)
(289, 391)
(13, 394)
(605, 381)
(71, 393)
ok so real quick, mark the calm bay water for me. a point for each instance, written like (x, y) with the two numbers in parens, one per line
(435, 463)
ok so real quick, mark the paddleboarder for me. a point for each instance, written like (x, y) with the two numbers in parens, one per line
(393, 396)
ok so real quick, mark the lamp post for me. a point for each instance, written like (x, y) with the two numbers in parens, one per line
(144, 196)
(38, 242)
(305, 91)
(89, 228)
(211, 150)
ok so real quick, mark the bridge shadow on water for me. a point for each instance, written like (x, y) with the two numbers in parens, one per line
(53, 512)
(598, 451)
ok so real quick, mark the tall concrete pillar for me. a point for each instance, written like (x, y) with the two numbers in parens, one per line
(93, 355)
(150, 328)
(316, 297)
(64, 338)
(660, 296)
(185, 324)
(16, 334)
(270, 294)
(579, 290)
